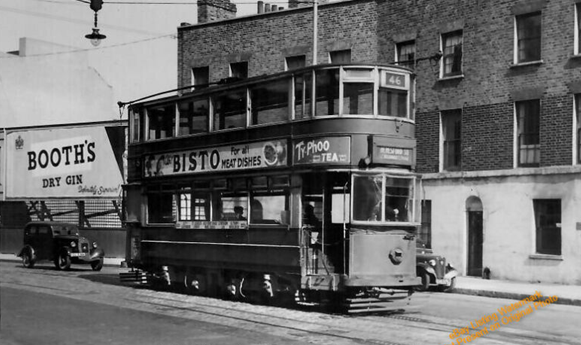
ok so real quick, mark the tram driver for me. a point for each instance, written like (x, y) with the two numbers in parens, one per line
(312, 223)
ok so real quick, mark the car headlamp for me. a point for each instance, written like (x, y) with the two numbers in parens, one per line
(432, 262)
(73, 244)
(94, 244)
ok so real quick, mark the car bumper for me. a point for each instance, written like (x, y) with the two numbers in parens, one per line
(447, 280)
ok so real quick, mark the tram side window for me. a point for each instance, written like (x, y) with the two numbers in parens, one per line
(270, 102)
(327, 92)
(201, 202)
(137, 125)
(358, 98)
(230, 110)
(269, 209)
(234, 207)
(303, 94)
(340, 198)
(193, 116)
(185, 206)
(160, 208)
(161, 122)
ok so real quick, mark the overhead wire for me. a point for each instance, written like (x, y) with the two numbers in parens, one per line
(173, 36)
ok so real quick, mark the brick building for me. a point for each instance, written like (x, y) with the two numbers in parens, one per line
(497, 116)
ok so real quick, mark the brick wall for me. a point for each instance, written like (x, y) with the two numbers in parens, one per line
(265, 40)
(371, 29)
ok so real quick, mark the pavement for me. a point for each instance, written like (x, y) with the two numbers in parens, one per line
(566, 294)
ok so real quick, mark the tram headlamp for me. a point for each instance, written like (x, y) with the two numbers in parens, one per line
(432, 262)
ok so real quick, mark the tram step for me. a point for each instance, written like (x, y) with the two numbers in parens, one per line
(133, 277)
(382, 303)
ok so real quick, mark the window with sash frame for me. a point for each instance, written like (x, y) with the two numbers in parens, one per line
(548, 226)
(528, 136)
(452, 139)
(528, 37)
(406, 53)
(452, 54)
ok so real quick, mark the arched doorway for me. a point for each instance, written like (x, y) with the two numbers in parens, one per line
(475, 236)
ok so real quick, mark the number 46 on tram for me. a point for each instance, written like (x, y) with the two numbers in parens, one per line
(297, 186)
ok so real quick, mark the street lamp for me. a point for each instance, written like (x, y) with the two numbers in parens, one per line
(95, 36)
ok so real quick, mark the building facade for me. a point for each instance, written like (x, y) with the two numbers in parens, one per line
(62, 146)
(498, 109)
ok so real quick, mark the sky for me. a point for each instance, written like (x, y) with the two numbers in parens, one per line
(139, 55)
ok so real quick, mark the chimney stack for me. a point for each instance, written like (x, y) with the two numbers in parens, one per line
(213, 10)
(303, 3)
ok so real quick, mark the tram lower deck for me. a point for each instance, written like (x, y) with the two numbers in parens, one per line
(327, 236)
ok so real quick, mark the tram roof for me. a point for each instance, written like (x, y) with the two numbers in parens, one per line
(230, 83)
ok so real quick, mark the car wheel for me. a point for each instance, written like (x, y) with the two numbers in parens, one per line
(97, 265)
(27, 260)
(425, 285)
(63, 262)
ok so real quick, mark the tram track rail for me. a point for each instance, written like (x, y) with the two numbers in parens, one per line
(307, 325)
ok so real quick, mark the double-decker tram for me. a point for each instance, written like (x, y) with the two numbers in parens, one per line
(297, 186)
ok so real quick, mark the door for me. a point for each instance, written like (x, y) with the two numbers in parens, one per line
(475, 239)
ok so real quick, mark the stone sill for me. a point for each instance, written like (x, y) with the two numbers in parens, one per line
(452, 77)
(529, 63)
(546, 257)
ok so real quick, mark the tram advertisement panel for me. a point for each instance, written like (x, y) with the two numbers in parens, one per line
(327, 150)
(65, 162)
(232, 157)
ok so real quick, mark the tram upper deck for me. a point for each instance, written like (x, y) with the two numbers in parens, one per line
(313, 101)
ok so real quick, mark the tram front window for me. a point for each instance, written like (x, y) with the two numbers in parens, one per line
(358, 98)
(393, 102)
(380, 198)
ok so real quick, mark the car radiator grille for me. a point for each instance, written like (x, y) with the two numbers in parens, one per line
(85, 247)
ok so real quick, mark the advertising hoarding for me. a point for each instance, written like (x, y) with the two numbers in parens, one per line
(262, 154)
(80, 162)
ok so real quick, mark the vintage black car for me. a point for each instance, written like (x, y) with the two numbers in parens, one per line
(60, 243)
(433, 269)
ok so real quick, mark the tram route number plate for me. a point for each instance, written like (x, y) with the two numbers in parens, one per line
(397, 80)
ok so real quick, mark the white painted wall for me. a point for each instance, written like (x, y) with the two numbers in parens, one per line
(54, 87)
(508, 222)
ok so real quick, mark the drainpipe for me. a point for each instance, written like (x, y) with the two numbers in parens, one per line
(315, 30)
(5, 164)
